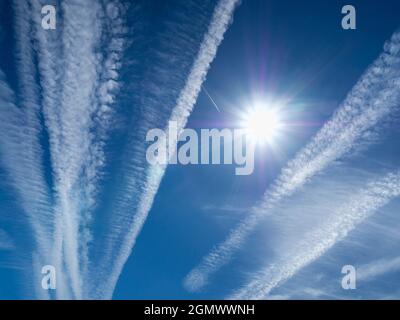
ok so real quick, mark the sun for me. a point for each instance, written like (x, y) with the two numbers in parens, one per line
(262, 124)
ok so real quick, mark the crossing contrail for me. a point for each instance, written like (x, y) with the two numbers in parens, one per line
(362, 205)
(220, 21)
(371, 100)
(77, 121)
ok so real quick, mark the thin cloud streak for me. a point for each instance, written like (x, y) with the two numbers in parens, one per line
(221, 19)
(372, 99)
(49, 57)
(35, 194)
(6, 242)
(370, 271)
(361, 206)
(21, 151)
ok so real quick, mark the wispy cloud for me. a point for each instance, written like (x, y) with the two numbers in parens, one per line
(50, 71)
(370, 101)
(133, 223)
(20, 133)
(78, 72)
(71, 76)
(6, 242)
(22, 152)
(370, 271)
(78, 85)
(68, 113)
(362, 205)
(114, 39)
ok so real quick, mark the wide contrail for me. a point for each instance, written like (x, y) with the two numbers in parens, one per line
(78, 89)
(362, 205)
(221, 19)
(80, 35)
(372, 99)
(107, 88)
(71, 126)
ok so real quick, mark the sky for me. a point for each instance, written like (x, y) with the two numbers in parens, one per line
(76, 189)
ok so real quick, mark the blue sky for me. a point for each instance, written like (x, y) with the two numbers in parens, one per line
(76, 191)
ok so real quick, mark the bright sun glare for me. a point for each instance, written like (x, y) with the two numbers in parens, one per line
(262, 124)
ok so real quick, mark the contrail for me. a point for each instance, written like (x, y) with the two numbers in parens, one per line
(21, 151)
(27, 117)
(107, 88)
(50, 71)
(78, 89)
(372, 99)
(211, 99)
(22, 166)
(362, 205)
(81, 33)
(78, 40)
(18, 152)
(68, 113)
(221, 19)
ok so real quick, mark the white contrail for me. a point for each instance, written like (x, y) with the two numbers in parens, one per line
(211, 99)
(372, 99)
(78, 88)
(71, 141)
(49, 65)
(18, 152)
(108, 85)
(22, 154)
(362, 205)
(221, 19)
(113, 40)
(28, 160)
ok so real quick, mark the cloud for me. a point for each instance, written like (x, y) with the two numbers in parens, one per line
(21, 150)
(370, 271)
(362, 205)
(6, 242)
(227, 207)
(78, 84)
(49, 57)
(120, 249)
(78, 67)
(370, 101)
(68, 110)
(20, 146)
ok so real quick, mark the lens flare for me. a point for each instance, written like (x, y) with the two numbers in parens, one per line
(262, 124)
